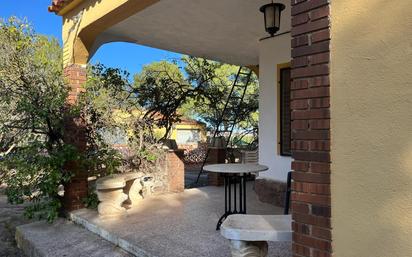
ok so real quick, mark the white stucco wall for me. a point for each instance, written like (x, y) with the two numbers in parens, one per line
(272, 52)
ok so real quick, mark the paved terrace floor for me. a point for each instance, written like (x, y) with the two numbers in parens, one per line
(176, 225)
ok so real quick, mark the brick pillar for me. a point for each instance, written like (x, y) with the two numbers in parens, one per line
(175, 170)
(216, 155)
(75, 134)
(311, 199)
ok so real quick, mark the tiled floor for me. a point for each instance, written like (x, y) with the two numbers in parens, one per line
(177, 225)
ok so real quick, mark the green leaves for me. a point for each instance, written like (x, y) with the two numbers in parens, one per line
(32, 102)
(32, 89)
(34, 174)
(110, 106)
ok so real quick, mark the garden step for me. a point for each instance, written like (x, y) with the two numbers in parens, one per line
(63, 238)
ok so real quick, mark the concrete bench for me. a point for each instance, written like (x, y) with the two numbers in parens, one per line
(116, 191)
(249, 234)
(134, 185)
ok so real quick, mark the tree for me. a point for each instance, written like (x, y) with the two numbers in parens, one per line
(32, 90)
(112, 112)
(33, 95)
(198, 89)
(160, 89)
(32, 99)
(209, 107)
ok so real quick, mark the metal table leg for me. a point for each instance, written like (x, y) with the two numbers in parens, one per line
(239, 196)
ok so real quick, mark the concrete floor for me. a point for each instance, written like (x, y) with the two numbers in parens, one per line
(176, 225)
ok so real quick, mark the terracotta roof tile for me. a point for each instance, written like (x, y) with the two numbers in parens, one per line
(190, 121)
(57, 5)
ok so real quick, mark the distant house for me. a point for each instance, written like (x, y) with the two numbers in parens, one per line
(189, 133)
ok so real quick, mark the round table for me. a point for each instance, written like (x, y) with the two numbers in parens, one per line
(234, 174)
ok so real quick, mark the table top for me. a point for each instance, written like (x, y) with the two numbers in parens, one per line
(235, 168)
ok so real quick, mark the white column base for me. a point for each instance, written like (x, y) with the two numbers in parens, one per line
(132, 189)
(248, 248)
(111, 201)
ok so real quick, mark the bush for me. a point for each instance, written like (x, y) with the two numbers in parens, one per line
(33, 110)
(34, 174)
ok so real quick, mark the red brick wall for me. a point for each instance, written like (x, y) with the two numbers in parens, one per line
(76, 76)
(216, 155)
(311, 200)
(75, 134)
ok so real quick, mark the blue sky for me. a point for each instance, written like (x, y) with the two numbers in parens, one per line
(121, 55)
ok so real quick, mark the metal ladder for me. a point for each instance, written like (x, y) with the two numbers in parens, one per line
(225, 125)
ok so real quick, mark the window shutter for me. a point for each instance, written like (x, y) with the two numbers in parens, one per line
(285, 112)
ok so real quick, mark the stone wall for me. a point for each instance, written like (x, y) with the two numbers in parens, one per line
(168, 176)
(270, 191)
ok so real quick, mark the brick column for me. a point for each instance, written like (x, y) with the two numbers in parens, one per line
(311, 199)
(216, 155)
(75, 134)
(175, 171)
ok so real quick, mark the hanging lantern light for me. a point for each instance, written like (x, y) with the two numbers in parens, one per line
(271, 14)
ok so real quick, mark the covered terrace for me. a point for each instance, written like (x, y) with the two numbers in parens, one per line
(233, 32)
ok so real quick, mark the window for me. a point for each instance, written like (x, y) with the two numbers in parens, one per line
(187, 136)
(285, 112)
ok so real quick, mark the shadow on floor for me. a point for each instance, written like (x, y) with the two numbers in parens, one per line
(191, 173)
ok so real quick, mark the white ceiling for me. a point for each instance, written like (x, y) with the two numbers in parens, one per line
(222, 30)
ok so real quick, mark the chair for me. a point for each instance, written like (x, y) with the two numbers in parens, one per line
(250, 156)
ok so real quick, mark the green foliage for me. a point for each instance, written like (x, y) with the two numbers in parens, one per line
(198, 89)
(32, 90)
(32, 115)
(160, 89)
(35, 174)
(91, 201)
(112, 110)
(220, 78)
(32, 103)
(101, 160)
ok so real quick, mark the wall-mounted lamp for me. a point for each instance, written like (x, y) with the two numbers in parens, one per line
(271, 14)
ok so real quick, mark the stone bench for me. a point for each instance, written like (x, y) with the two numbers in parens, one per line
(116, 191)
(249, 234)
